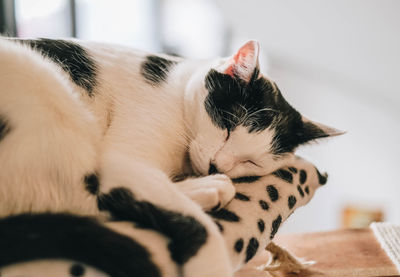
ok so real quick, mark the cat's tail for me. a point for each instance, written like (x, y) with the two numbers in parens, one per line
(48, 139)
(64, 245)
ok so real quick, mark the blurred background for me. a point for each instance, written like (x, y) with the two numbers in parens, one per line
(337, 62)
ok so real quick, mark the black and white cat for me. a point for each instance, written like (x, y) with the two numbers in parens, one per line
(93, 129)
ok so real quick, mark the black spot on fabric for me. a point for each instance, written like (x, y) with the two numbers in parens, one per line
(251, 249)
(4, 127)
(261, 225)
(28, 237)
(186, 234)
(264, 205)
(300, 190)
(322, 178)
(293, 169)
(273, 193)
(92, 183)
(224, 214)
(239, 245)
(71, 57)
(291, 201)
(284, 175)
(242, 197)
(307, 190)
(247, 179)
(303, 176)
(77, 270)
(219, 225)
(155, 69)
(275, 226)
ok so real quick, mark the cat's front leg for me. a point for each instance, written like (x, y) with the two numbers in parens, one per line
(131, 190)
(210, 192)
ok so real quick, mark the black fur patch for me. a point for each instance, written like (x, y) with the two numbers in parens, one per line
(251, 249)
(4, 127)
(293, 169)
(261, 225)
(307, 190)
(155, 69)
(322, 178)
(224, 214)
(300, 191)
(303, 176)
(238, 245)
(273, 193)
(242, 197)
(92, 183)
(187, 234)
(71, 57)
(30, 237)
(284, 175)
(264, 205)
(257, 105)
(247, 179)
(291, 132)
(291, 201)
(275, 226)
(230, 100)
(77, 270)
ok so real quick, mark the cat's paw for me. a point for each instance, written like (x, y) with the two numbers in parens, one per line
(210, 192)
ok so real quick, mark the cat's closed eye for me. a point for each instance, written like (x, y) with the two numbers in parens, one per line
(251, 162)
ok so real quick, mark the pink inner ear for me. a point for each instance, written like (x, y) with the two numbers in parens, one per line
(242, 59)
(229, 71)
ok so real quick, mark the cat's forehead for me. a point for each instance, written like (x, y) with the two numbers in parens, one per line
(255, 104)
(257, 143)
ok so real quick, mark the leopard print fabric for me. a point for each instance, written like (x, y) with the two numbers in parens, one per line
(259, 208)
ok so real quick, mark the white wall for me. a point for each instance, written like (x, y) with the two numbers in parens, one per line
(337, 62)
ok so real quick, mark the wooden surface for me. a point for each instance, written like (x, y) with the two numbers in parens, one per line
(350, 252)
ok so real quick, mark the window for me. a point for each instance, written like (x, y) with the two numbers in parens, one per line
(189, 28)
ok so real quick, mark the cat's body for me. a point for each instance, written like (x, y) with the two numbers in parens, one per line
(94, 127)
(137, 132)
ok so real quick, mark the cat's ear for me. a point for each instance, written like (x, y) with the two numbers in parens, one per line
(314, 130)
(244, 62)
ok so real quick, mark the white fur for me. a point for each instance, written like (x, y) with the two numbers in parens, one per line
(209, 191)
(53, 141)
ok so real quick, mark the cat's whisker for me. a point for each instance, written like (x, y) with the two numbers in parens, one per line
(261, 110)
(238, 120)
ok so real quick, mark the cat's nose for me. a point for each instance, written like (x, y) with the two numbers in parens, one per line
(213, 169)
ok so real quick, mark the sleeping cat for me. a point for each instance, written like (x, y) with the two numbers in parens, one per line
(86, 127)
